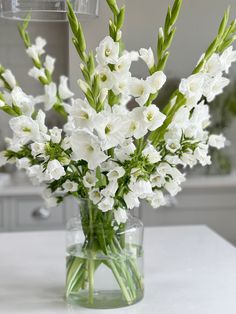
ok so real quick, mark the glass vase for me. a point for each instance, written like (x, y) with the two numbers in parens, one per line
(104, 263)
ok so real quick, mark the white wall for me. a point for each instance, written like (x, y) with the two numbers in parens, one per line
(197, 27)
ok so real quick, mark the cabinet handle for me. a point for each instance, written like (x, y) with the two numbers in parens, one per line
(41, 213)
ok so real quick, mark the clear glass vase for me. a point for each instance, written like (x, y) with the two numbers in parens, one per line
(104, 264)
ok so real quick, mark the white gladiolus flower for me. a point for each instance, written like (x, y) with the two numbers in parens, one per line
(40, 119)
(137, 127)
(173, 145)
(201, 154)
(180, 119)
(25, 128)
(173, 160)
(215, 86)
(82, 114)
(157, 179)
(177, 176)
(213, 66)
(106, 204)
(85, 146)
(55, 170)
(152, 154)
(107, 51)
(70, 186)
(23, 163)
(63, 89)
(121, 85)
(189, 159)
(134, 55)
(9, 78)
(147, 56)
(40, 43)
(55, 134)
(173, 188)
(123, 64)
(200, 117)
(157, 199)
(141, 187)
(227, 58)
(107, 78)
(23, 101)
(120, 215)
(3, 159)
(124, 151)
(131, 200)
(32, 52)
(37, 149)
(116, 173)
(90, 179)
(153, 117)
(156, 81)
(192, 87)
(110, 190)
(217, 141)
(95, 196)
(65, 144)
(49, 64)
(50, 98)
(111, 129)
(139, 89)
(36, 175)
(37, 73)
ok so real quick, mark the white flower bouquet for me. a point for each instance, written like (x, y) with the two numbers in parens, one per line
(106, 153)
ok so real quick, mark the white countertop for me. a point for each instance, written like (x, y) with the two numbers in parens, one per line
(188, 270)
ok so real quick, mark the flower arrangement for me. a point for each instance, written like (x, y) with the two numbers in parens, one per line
(105, 152)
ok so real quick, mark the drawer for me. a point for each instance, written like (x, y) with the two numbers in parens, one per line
(30, 214)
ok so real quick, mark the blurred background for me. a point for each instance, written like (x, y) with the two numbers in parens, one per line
(209, 196)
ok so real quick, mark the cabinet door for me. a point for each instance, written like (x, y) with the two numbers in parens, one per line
(213, 207)
(29, 213)
(5, 210)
